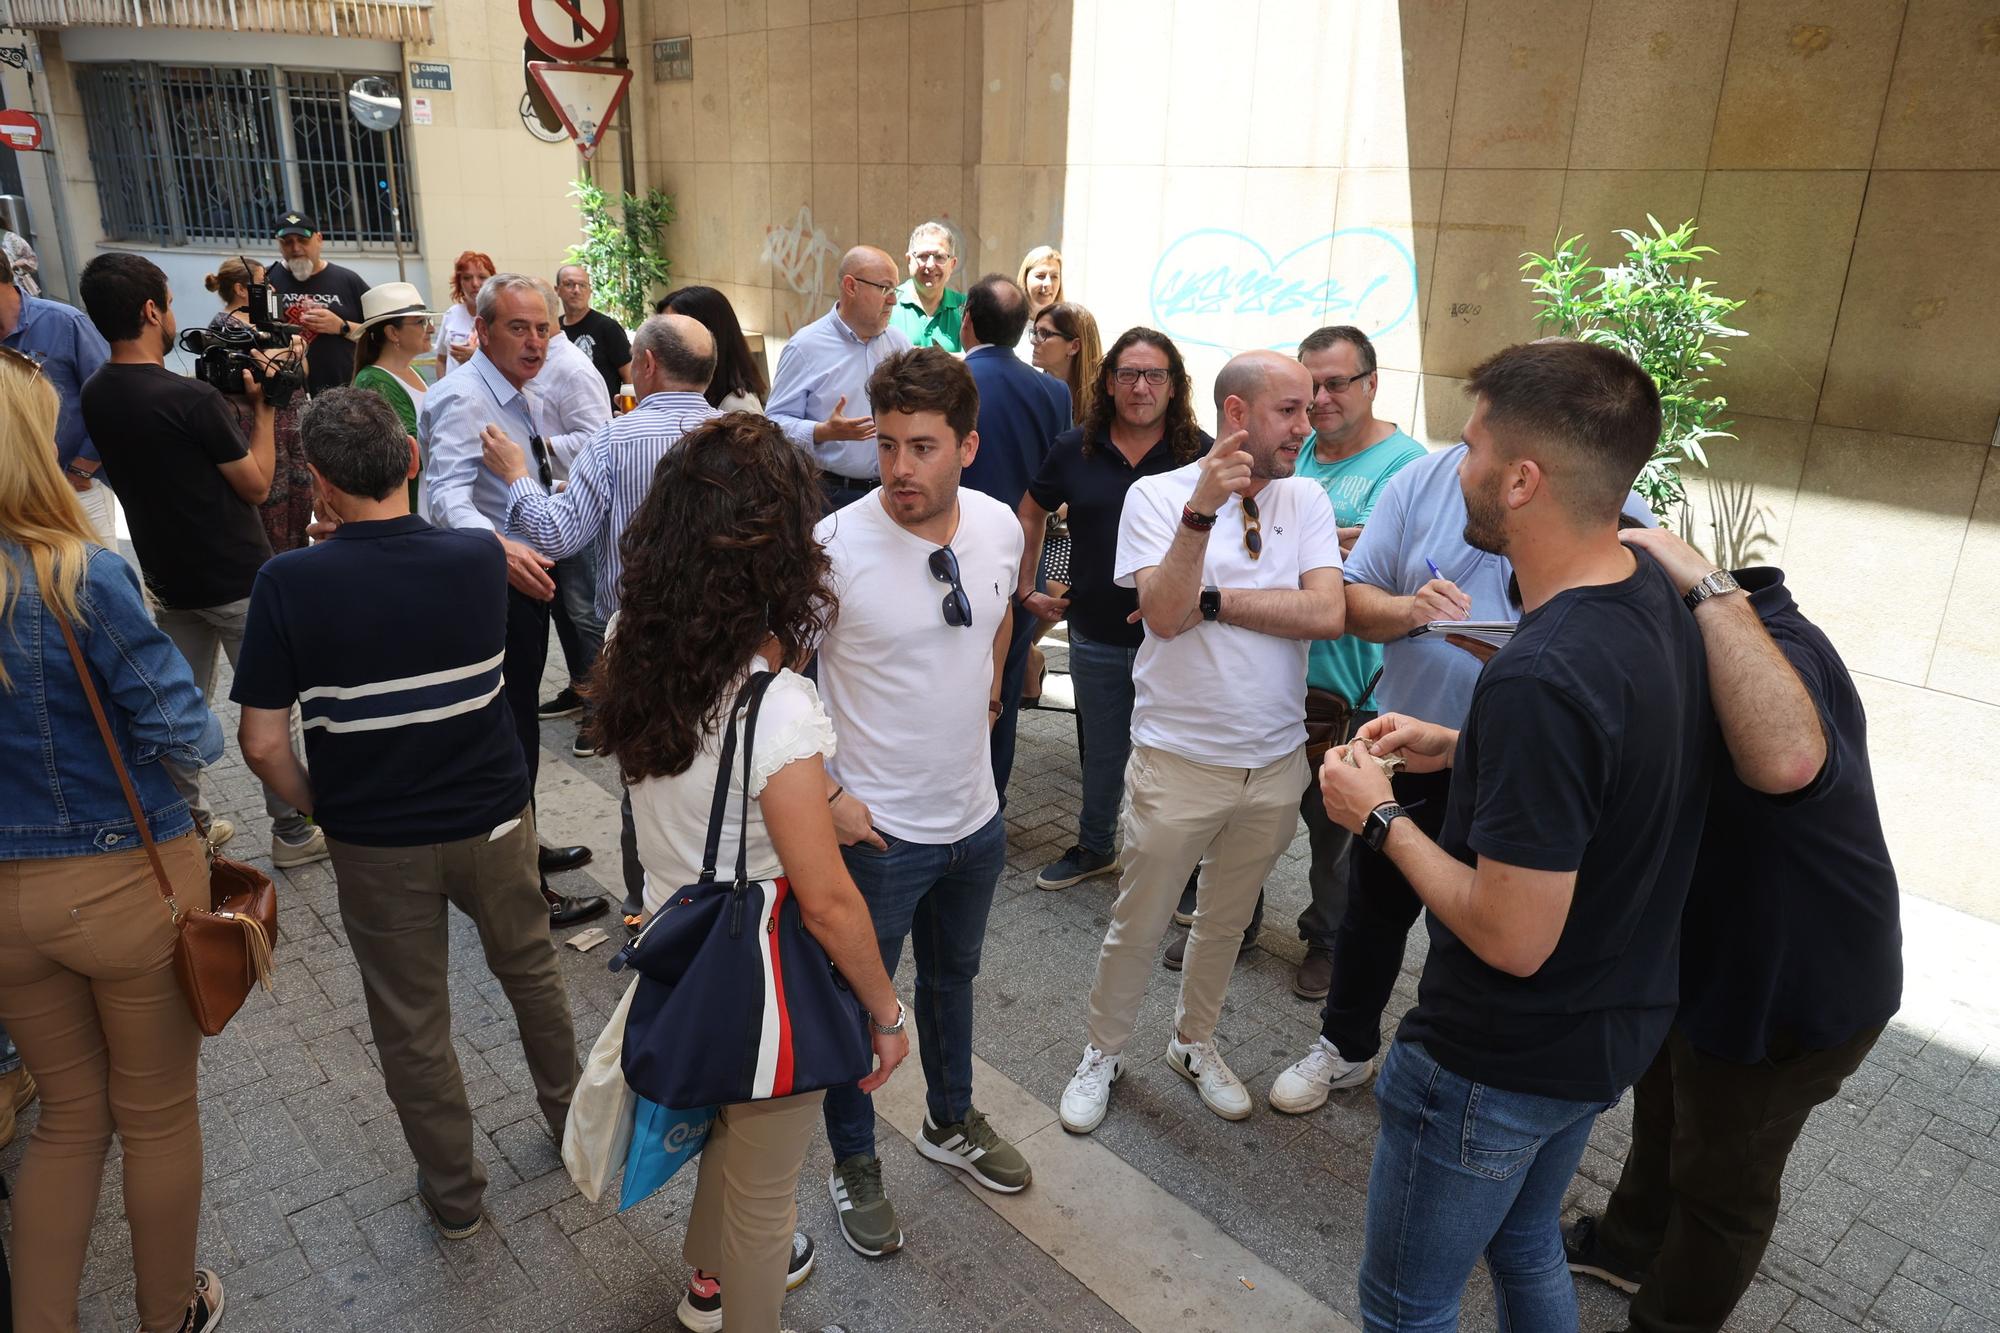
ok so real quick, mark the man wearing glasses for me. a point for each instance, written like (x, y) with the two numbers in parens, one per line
(924, 571)
(927, 310)
(1237, 564)
(819, 397)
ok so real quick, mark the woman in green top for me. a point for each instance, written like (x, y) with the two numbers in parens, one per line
(395, 329)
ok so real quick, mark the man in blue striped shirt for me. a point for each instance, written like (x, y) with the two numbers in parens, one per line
(673, 357)
(390, 635)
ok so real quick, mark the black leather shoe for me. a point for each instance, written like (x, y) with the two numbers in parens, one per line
(555, 860)
(568, 911)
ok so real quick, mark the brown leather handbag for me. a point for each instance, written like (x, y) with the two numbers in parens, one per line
(218, 954)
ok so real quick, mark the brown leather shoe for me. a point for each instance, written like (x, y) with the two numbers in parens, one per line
(1315, 975)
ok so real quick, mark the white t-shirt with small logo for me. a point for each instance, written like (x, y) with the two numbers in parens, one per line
(1215, 693)
(906, 691)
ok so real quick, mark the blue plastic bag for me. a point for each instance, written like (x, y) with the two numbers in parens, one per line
(663, 1141)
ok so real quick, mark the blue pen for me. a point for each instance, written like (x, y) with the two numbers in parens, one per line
(1435, 572)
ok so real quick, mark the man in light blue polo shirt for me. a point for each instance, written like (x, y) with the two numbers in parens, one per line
(69, 349)
(1410, 565)
(819, 397)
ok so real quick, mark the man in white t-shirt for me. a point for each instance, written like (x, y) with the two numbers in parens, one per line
(910, 673)
(1237, 564)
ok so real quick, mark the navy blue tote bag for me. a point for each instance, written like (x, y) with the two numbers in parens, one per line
(737, 1002)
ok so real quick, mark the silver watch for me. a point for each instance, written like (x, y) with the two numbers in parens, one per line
(894, 1029)
(1714, 585)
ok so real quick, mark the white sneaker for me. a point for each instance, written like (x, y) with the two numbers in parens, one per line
(219, 832)
(286, 855)
(1199, 1064)
(1305, 1085)
(1088, 1095)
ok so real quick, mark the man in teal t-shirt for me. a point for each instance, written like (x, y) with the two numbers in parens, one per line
(928, 311)
(1352, 454)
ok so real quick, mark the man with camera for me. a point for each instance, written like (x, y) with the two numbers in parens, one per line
(321, 298)
(191, 484)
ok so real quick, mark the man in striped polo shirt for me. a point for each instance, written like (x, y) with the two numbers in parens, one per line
(390, 636)
(673, 357)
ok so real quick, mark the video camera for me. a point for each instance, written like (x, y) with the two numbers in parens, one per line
(222, 354)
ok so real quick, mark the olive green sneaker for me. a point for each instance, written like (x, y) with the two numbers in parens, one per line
(973, 1147)
(867, 1218)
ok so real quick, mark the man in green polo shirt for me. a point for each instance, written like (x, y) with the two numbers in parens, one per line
(927, 310)
(1352, 454)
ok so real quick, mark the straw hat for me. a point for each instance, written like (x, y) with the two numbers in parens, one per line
(392, 300)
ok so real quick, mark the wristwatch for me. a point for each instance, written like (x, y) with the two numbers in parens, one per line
(1211, 603)
(894, 1029)
(1375, 831)
(1714, 585)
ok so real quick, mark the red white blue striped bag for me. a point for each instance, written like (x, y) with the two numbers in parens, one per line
(737, 1002)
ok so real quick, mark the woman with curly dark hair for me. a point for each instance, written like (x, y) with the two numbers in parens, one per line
(722, 579)
(1141, 422)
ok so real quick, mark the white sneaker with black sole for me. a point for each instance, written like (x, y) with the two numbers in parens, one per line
(1199, 1063)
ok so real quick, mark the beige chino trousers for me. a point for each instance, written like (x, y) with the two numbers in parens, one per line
(1234, 823)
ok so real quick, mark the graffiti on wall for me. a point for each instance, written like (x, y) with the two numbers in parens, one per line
(1218, 288)
(801, 255)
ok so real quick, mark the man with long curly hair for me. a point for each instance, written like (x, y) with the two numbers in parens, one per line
(924, 570)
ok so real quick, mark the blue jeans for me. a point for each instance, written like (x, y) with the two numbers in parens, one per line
(938, 895)
(1013, 675)
(578, 629)
(10, 1059)
(1102, 676)
(1463, 1169)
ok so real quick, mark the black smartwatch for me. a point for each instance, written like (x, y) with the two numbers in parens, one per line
(1375, 831)
(1211, 603)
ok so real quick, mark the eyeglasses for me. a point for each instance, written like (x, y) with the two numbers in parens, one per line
(1339, 383)
(931, 257)
(884, 287)
(1253, 529)
(1127, 376)
(540, 449)
(957, 606)
(1042, 335)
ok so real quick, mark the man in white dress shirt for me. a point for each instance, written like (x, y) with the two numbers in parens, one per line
(512, 327)
(819, 397)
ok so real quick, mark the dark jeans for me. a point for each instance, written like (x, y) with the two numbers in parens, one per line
(1699, 1194)
(1374, 929)
(1464, 1170)
(938, 896)
(1327, 875)
(578, 629)
(628, 853)
(1102, 676)
(1000, 745)
(521, 673)
(10, 1059)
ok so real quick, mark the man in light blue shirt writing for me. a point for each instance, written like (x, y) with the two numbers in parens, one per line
(819, 397)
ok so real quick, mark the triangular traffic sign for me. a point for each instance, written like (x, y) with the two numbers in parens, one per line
(585, 98)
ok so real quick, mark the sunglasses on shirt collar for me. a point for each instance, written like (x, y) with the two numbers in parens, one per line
(957, 606)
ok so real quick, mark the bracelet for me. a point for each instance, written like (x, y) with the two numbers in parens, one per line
(894, 1029)
(995, 707)
(1199, 522)
(838, 792)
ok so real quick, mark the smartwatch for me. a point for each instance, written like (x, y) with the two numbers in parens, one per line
(1714, 585)
(1211, 603)
(1375, 831)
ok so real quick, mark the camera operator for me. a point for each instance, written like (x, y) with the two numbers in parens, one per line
(190, 483)
(287, 510)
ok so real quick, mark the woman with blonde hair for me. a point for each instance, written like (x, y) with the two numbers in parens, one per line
(454, 341)
(87, 983)
(287, 510)
(1041, 277)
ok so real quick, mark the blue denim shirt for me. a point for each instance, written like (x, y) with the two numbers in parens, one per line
(59, 795)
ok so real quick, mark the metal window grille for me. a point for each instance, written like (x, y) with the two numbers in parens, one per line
(200, 155)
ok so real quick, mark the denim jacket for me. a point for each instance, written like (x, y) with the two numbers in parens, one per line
(59, 795)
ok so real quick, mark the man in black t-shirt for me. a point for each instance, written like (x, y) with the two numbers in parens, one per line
(1791, 959)
(191, 485)
(389, 635)
(595, 333)
(321, 298)
(1555, 889)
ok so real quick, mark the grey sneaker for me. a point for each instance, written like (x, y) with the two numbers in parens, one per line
(285, 854)
(1076, 866)
(867, 1218)
(972, 1146)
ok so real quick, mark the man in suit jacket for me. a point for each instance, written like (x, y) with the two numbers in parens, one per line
(1021, 411)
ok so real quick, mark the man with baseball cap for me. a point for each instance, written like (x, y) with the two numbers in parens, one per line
(321, 298)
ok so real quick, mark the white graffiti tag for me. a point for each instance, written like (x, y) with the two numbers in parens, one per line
(798, 253)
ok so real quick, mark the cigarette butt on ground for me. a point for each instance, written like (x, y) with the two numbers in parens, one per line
(1248, 1285)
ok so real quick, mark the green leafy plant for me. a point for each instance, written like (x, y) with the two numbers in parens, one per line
(1652, 308)
(621, 248)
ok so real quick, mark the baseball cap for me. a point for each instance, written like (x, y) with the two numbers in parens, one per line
(296, 223)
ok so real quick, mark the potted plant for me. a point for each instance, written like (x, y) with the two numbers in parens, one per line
(621, 248)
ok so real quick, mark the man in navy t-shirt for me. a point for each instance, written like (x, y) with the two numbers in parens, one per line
(1554, 889)
(390, 636)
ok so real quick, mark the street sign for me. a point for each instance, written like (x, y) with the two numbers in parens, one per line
(584, 96)
(21, 131)
(432, 75)
(571, 29)
(420, 111)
